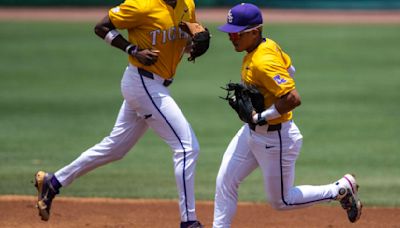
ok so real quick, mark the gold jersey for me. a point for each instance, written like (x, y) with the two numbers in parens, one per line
(266, 67)
(153, 24)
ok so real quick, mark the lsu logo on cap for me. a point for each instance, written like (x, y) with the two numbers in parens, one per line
(279, 80)
(230, 17)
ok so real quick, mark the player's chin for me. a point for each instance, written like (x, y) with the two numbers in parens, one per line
(237, 48)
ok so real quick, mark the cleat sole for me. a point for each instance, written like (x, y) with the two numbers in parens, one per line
(40, 205)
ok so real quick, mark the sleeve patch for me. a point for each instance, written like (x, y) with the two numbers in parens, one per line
(279, 80)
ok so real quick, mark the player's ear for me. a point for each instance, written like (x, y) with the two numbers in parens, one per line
(259, 30)
(255, 32)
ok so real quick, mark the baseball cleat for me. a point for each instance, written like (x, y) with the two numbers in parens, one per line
(191, 224)
(348, 198)
(46, 193)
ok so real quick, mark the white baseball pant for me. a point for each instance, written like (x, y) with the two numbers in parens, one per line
(147, 103)
(275, 152)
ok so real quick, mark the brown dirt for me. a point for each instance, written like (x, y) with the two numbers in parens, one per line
(20, 211)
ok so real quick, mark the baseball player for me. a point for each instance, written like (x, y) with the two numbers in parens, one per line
(275, 146)
(155, 46)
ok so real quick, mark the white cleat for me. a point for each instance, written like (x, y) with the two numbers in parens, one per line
(347, 195)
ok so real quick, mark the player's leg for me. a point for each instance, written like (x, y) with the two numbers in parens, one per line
(165, 117)
(278, 167)
(238, 162)
(128, 128)
(185, 170)
(277, 152)
(174, 129)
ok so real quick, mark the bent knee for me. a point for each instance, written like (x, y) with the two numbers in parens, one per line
(227, 183)
(109, 157)
(117, 157)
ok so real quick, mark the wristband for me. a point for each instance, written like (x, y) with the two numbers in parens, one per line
(131, 49)
(110, 36)
(260, 120)
(268, 114)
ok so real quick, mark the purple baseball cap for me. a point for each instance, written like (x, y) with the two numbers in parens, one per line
(240, 17)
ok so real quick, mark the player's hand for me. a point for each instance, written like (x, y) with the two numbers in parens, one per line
(147, 56)
(254, 116)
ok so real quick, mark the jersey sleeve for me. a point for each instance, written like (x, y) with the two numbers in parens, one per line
(127, 15)
(193, 16)
(191, 8)
(193, 13)
(274, 75)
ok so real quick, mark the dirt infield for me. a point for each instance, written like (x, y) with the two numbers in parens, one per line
(20, 211)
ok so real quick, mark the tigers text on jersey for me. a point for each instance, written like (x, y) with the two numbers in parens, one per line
(266, 67)
(153, 24)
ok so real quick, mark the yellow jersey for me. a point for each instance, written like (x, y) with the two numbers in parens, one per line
(266, 67)
(153, 24)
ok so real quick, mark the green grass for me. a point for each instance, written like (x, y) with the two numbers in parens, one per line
(59, 95)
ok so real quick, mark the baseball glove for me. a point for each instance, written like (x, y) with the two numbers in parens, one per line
(245, 100)
(200, 38)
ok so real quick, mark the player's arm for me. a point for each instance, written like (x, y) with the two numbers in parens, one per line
(284, 104)
(279, 85)
(288, 102)
(107, 31)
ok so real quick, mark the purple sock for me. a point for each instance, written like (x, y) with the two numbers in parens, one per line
(56, 184)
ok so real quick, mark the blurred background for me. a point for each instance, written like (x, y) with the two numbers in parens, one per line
(314, 4)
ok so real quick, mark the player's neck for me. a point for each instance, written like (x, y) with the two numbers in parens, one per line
(255, 45)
